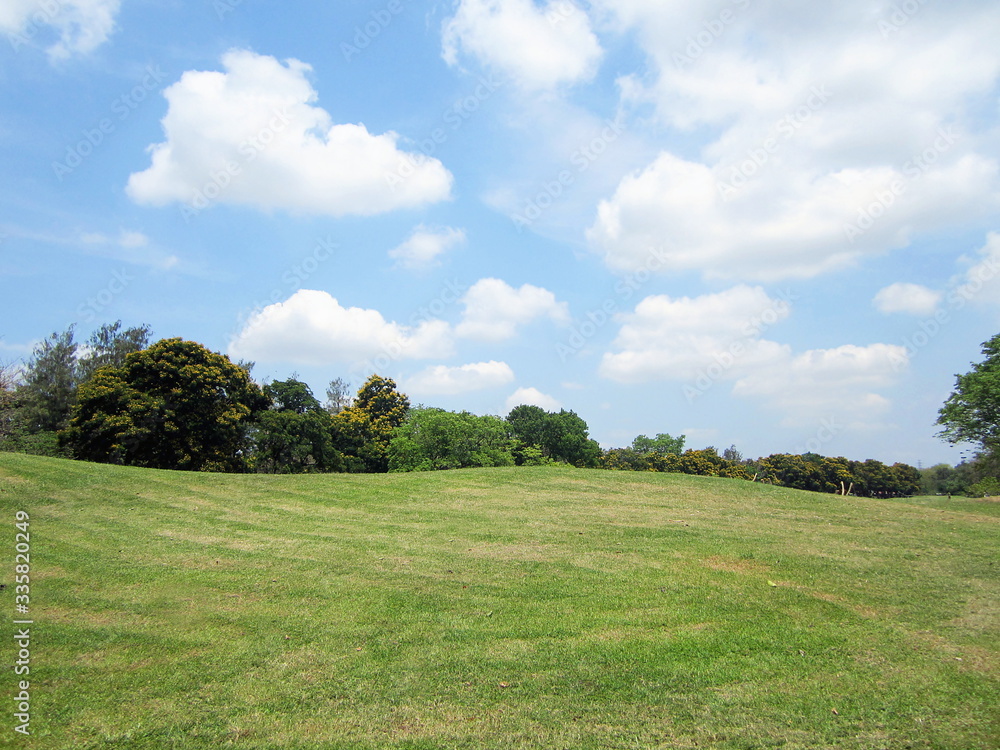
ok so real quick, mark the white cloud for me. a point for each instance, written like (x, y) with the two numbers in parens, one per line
(130, 246)
(783, 225)
(253, 136)
(425, 245)
(680, 339)
(447, 381)
(912, 299)
(494, 309)
(816, 115)
(981, 281)
(704, 341)
(132, 239)
(532, 397)
(311, 327)
(82, 25)
(538, 47)
(824, 383)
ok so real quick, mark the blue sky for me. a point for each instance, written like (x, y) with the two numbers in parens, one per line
(774, 225)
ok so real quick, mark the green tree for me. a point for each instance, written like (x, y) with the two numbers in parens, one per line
(295, 435)
(363, 431)
(174, 405)
(108, 346)
(971, 413)
(433, 439)
(338, 396)
(663, 444)
(528, 423)
(561, 436)
(291, 395)
(48, 389)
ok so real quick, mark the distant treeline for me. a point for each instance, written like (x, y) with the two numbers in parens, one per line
(176, 405)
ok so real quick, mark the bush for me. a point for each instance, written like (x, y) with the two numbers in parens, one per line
(989, 487)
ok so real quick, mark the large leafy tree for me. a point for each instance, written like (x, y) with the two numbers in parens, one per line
(662, 444)
(363, 431)
(174, 405)
(972, 412)
(295, 434)
(561, 436)
(436, 439)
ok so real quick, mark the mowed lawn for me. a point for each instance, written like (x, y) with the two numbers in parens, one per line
(496, 608)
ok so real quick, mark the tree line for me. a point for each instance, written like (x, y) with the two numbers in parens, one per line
(174, 404)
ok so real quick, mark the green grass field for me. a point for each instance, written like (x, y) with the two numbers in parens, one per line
(496, 608)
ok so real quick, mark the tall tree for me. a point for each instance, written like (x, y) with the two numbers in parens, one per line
(48, 389)
(433, 439)
(972, 412)
(663, 444)
(108, 346)
(561, 436)
(291, 395)
(338, 396)
(363, 431)
(295, 434)
(174, 405)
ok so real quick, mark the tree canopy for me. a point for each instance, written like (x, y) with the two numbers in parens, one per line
(363, 431)
(560, 436)
(972, 412)
(174, 405)
(433, 439)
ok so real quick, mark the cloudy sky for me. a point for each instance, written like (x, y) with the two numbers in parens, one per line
(774, 225)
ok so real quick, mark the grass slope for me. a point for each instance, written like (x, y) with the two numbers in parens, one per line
(500, 608)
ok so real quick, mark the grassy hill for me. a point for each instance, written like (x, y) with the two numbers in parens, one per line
(498, 608)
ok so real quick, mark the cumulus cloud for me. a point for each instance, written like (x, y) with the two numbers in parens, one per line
(843, 382)
(719, 338)
(838, 133)
(425, 246)
(912, 299)
(538, 47)
(446, 381)
(313, 328)
(680, 339)
(82, 25)
(532, 397)
(494, 310)
(980, 282)
(253, 135)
